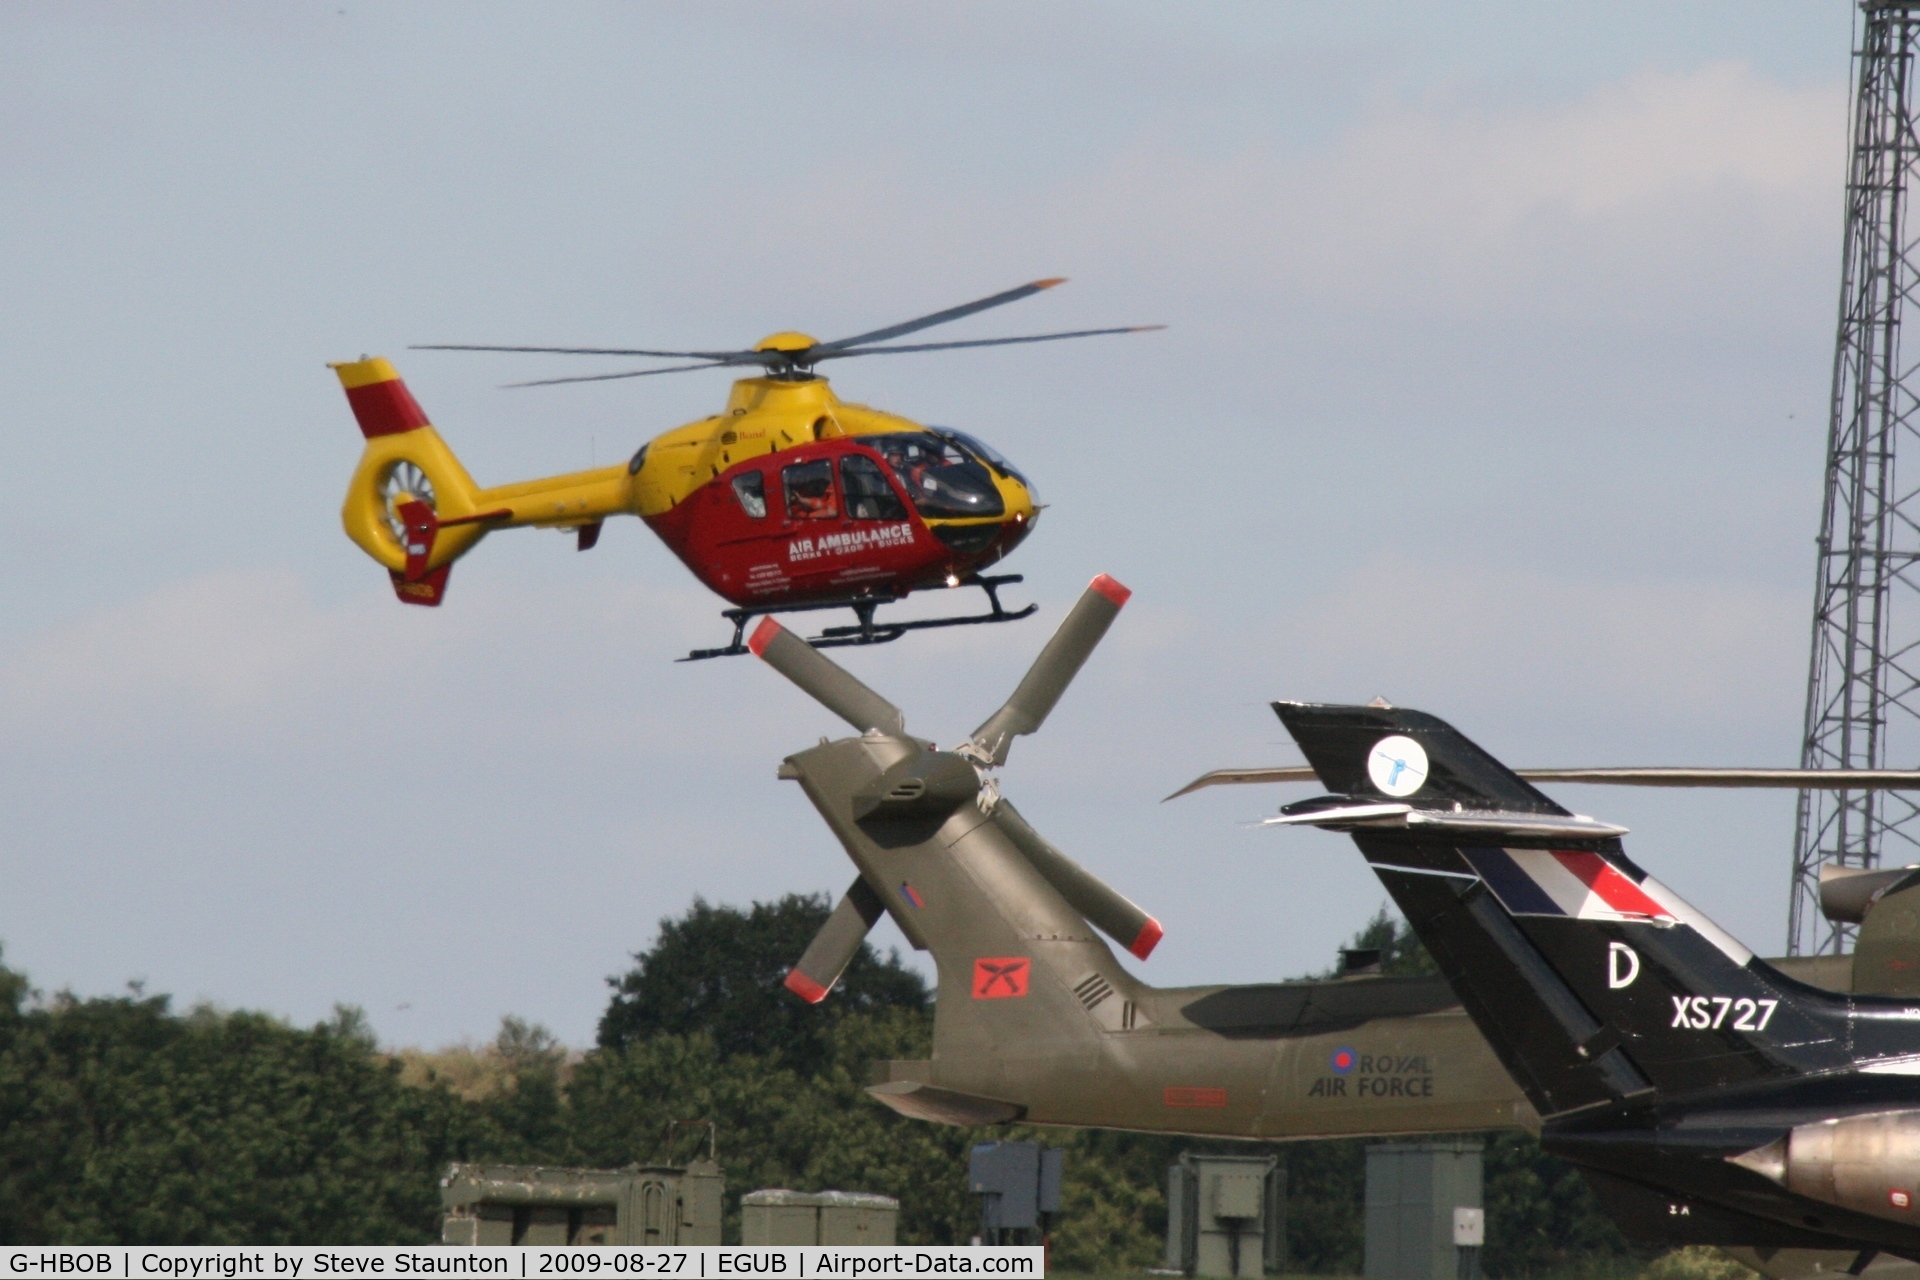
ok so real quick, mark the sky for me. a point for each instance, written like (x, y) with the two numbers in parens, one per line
(1494, 383)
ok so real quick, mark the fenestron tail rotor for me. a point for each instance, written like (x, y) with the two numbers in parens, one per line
(793, 355)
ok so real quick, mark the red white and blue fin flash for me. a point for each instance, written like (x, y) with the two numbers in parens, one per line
(1585, 885)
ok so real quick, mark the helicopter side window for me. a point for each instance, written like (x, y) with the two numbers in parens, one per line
(941, 478)
(750, 487)
(869, 496)
(810, 490)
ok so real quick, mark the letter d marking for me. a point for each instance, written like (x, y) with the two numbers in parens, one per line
(1623, 965)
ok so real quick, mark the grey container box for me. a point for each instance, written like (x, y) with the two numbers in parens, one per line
(817, 1217)
(1413, 1189)
(1226, 1215)
(545, 1205)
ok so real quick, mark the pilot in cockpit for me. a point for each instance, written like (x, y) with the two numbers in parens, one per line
(810, 494)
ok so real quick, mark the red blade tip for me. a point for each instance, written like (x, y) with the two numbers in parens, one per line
(804, 987)
(1149, 938)
(1110, 589)
(763, 635)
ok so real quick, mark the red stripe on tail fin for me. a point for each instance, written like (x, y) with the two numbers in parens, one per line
(385, 408)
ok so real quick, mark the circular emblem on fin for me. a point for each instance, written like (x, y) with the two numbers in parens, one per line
(1397, 765)
(1341, 1061)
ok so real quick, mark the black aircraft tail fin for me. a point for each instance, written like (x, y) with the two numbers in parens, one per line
(1385, 753)
(1592, 981)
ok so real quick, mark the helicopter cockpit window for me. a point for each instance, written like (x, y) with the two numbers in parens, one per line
(810, 490)
(990, 455)
(750, 487)
(869, 496)
(943, 480)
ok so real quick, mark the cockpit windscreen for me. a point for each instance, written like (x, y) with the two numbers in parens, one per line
(990, 455)
(944, 480)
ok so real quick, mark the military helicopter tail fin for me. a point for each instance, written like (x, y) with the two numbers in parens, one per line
(1592, 981)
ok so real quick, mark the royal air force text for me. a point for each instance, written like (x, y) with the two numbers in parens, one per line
(1384, 1075)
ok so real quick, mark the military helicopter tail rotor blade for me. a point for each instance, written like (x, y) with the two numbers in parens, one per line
(835, 946)
(1104, 906)
(842, 353)
(939, 317)
(829, 684)
(1052, 671)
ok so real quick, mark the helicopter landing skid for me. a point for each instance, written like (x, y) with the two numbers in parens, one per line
(866, 630)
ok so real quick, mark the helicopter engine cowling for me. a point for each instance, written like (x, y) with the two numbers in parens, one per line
(1868, 1163)
(929, 785)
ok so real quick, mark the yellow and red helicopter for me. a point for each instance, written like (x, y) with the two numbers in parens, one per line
(789, 499)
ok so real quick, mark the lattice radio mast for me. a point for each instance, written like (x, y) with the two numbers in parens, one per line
(1863, 683)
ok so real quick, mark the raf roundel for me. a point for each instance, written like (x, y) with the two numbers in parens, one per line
(1341, 1061)
(1397, 765)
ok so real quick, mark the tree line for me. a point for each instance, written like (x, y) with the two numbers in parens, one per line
(124, 1121)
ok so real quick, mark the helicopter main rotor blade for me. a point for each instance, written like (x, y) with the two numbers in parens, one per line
(1223, 777)
(1052, 671)
(1795, 779)
(938, 317)
(831, 685)
(586, 351)
(631, 373)
(1664, 776)
(842, 353)
(786, 362)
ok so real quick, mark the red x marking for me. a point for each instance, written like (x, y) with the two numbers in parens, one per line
(1000, 977)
